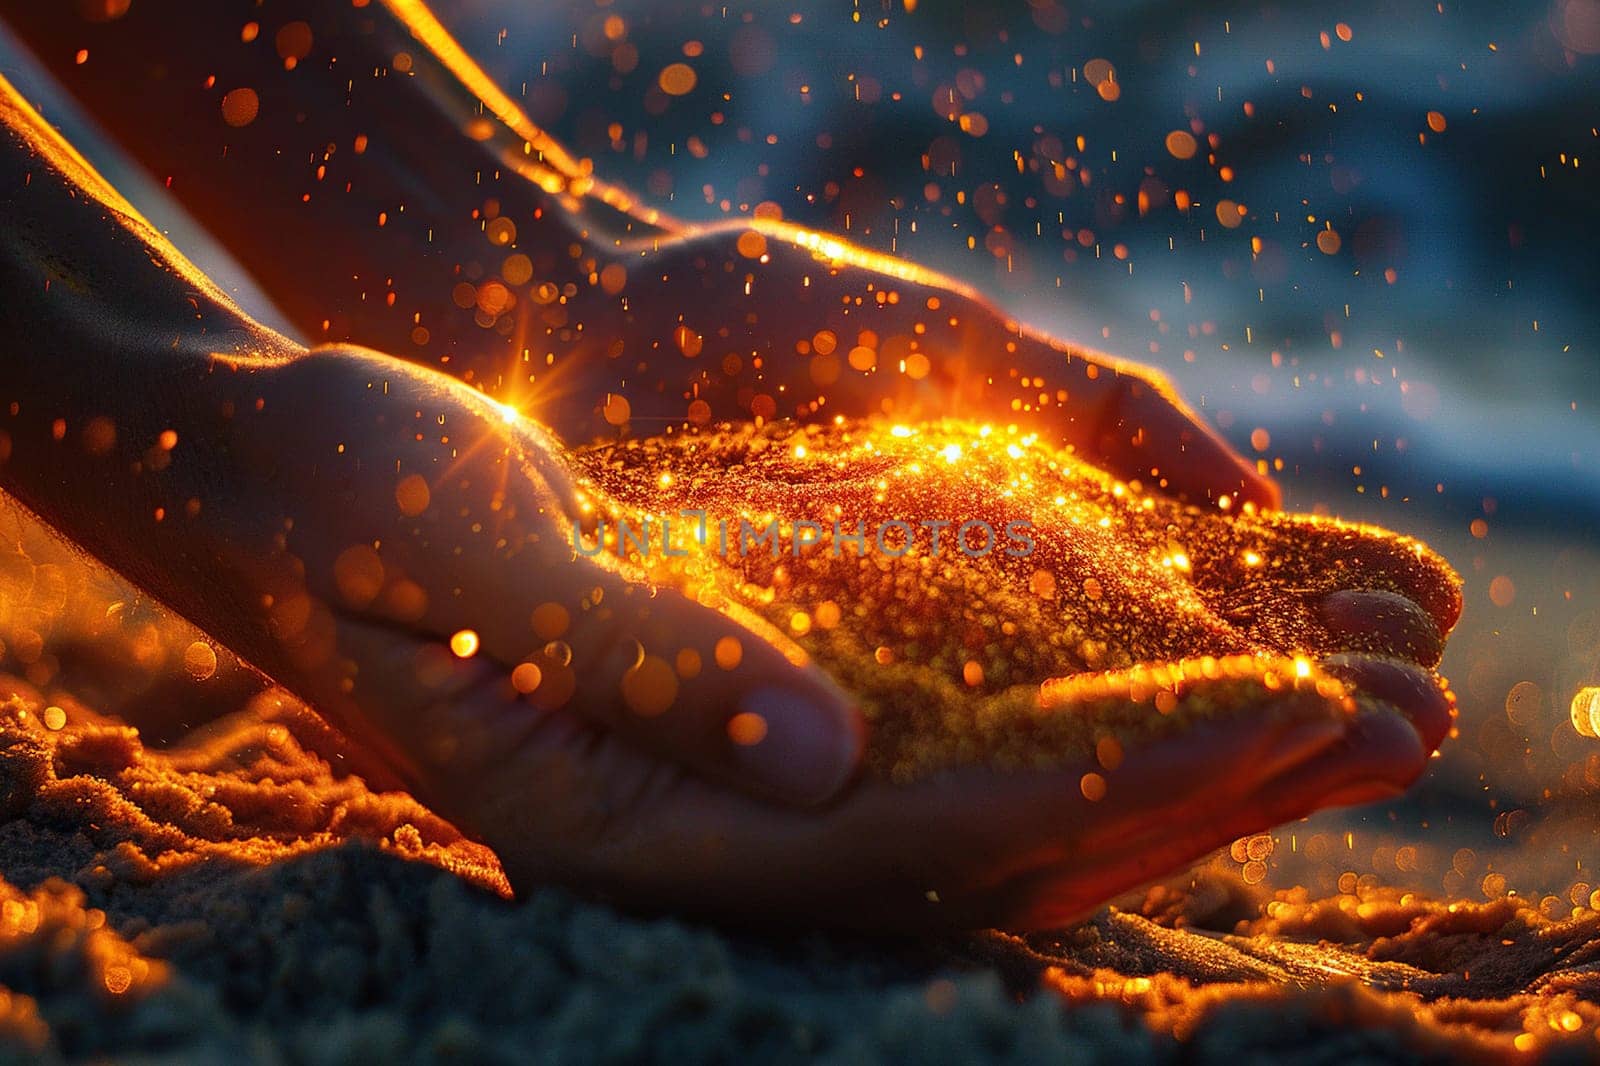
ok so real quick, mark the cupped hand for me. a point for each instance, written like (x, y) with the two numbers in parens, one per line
(767, 319)
(403, 524)
(639, 758)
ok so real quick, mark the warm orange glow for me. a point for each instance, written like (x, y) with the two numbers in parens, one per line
(464, 643)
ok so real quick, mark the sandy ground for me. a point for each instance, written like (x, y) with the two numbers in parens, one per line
(225, 882)
(233, 895)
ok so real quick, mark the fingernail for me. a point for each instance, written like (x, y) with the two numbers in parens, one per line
(1383, 622)
(808, 749)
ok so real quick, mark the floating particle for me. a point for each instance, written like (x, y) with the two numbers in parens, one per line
(293, 42)
(677, 79)
(517, 269)
(240, 107)
(405, 600)
(99, 436)
(1329, 242)
(1108, 752)
(649, 688)
(464, 643)
(1586, 712)
(1502, 591)
(1576, 24)
(199, 660)
(54, 717)
(358, 574)
(614, 278)
(526, 677)
(688, 341)
(751, 244)
(103, 10)
(617, 409)
(1524, 703)
(550, 620)
(1181, 144)
(728, 653)
(495, 299)
(824, 369)
(1436, 122)
(501, 231)
(412, 495)
(747, 728)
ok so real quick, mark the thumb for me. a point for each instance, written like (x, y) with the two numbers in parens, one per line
(671, 676)
(695, 686)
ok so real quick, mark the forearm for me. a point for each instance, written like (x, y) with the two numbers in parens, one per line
(112, 393)
(317, 140)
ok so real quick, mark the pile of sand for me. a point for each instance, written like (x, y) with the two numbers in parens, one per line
(1044, 569)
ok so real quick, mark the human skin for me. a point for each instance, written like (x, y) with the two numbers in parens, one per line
(284, 459)
(341, 137)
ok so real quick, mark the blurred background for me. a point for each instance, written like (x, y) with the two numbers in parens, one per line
(1361, 237)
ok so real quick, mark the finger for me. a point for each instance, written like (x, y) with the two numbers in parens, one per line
(677, 679)
(1374, 759)
(1421, 695)
(958, 848)
(1364, 557)
(1142, 431)
(693, 686)
(1381, 622)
